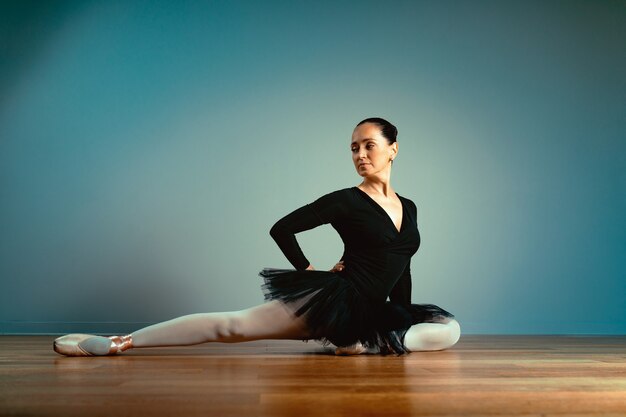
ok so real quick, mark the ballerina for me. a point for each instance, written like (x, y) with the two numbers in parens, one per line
(345, 306)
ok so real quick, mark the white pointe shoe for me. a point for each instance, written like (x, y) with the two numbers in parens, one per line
(69, 345)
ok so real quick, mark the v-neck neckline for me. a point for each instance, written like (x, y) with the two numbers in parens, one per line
(402, 220)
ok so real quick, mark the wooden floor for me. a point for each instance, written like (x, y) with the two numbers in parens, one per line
(480, 375)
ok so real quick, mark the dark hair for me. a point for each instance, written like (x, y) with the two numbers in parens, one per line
(389, 131)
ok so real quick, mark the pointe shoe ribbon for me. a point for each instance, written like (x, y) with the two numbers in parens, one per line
(120, 343)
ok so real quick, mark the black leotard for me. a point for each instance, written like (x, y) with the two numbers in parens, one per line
(376, 266)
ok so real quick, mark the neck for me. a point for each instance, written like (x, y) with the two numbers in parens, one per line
(377, 186)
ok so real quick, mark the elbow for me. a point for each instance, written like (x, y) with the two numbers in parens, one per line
(276, 230)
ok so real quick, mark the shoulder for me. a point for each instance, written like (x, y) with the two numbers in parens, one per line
(335, 198)
(331, 206)
(410, 204)
(337, 195)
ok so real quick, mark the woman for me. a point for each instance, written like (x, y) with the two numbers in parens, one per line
(346, 306)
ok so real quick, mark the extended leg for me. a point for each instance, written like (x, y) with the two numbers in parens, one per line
(270, 320)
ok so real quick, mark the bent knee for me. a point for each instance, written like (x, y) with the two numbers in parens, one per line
(441, 339)
(453, 333)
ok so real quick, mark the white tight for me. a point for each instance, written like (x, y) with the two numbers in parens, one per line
(270, 320)
(433, 336)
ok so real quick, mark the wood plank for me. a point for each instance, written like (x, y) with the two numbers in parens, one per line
(482, 374)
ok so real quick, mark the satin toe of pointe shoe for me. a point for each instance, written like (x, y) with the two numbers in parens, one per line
(69, 345)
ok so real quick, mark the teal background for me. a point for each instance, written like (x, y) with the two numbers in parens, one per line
(146, 148)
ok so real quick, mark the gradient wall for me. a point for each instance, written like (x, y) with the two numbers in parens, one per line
(146, 148)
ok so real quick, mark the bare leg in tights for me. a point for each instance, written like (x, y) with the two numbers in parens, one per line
(438, 335)
(270, 320)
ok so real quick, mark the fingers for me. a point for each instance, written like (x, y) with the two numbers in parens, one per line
(338, 267)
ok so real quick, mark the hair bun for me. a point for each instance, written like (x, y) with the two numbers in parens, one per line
(389, 131)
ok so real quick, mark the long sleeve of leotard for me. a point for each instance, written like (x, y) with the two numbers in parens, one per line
(401, 292)
(324, 210)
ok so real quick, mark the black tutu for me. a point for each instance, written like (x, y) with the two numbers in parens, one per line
(337, 313)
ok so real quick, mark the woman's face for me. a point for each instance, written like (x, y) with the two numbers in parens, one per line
(370, 149)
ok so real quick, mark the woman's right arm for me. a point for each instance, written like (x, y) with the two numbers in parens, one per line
(321, 211)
